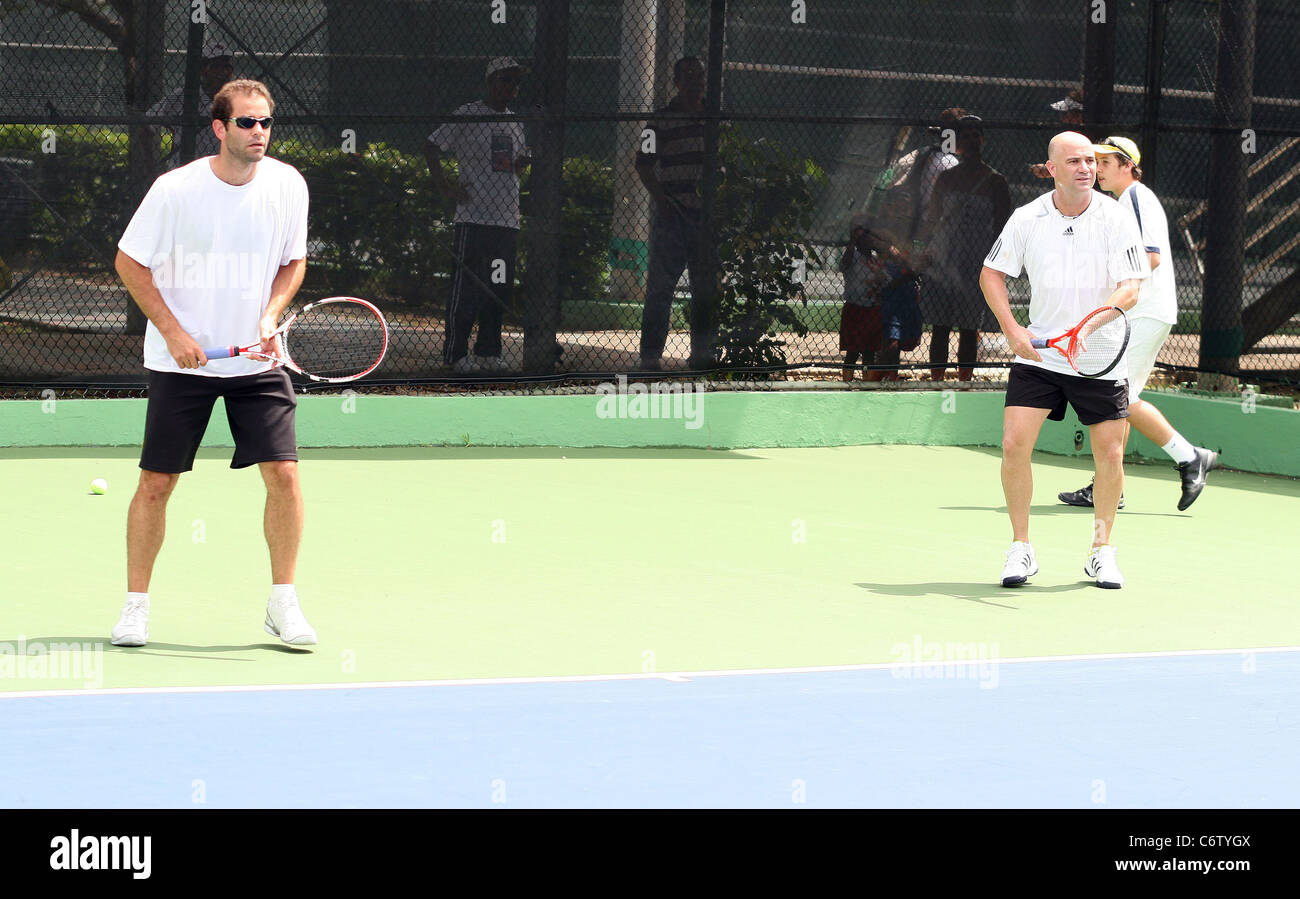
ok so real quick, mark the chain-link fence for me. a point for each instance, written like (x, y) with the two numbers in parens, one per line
(562, 188)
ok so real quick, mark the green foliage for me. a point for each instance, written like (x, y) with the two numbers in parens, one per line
(83, 189)
(763, 210)
(375, 228)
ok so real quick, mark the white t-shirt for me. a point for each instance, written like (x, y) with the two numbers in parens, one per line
(1073, 264)
(1159, 296)
(214, 250)
(860, 287)
(485, 152)
(205, 139)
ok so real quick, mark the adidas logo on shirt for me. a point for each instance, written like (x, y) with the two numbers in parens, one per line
(1068, 232)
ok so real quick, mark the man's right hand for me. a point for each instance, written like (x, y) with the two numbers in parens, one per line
(186, 351)
(1019, 338)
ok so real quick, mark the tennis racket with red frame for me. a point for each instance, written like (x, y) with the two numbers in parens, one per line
(332, 340)
(1095, 345)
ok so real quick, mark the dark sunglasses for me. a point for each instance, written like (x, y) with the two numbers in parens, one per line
(247, 121)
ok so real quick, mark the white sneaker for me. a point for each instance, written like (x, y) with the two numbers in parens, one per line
(491, 363)
(1021, 565)
(284, 619)
(464, 365)
(1102, 566)
(133, 627)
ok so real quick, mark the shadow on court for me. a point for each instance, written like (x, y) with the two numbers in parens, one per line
(153, 647)
(985, 594)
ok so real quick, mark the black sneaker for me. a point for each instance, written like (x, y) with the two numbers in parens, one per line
(1082, 497)
(1193, 475)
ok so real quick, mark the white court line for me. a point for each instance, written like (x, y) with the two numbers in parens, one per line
(672, 676)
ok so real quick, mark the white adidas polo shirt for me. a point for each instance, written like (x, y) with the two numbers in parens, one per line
(1159, 297)
(1073, 264)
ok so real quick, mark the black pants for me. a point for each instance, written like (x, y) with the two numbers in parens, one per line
(674, 241)
(483, 273)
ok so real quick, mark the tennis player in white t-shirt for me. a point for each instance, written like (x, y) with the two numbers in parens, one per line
(213, 256)
(1155, 313)
(1080, 251)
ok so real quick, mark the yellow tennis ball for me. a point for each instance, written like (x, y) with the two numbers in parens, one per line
(99, 486)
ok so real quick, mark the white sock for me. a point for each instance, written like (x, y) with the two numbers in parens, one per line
(280, 592)
(1179, 449)
(137, 597)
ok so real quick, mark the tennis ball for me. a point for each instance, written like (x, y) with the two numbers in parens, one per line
(99, 486)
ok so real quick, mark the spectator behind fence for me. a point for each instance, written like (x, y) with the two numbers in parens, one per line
(1071, 109)
(216, 69)
(879, 280)
(490, 156)
(671, 171)
(968, 208)
(921, 168)
(860, 322)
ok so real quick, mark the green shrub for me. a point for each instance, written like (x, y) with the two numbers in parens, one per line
(763, 211)
(83, 190)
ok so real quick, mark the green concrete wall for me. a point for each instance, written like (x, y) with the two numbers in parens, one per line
(1259, 438)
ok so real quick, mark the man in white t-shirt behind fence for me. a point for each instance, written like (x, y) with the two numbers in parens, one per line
(490, 156)
(213, 256)
(1153, 316)
(1080, 251)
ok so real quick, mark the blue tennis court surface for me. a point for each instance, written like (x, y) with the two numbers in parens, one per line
(1217, 730)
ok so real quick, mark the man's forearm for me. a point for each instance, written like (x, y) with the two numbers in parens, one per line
(647, 175)
(1125, 295)
(139, 283)
(434, 159)
(285, 286)
(997, 297)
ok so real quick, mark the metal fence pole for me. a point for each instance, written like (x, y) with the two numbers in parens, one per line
(542, 279)
(1221, 332)
(704, 334)
(1099, 64)
(190, 101)
(1157, 17)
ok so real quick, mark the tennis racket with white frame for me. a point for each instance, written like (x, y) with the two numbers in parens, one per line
(334, 340)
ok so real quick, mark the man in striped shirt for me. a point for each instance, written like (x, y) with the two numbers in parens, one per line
(670, 164)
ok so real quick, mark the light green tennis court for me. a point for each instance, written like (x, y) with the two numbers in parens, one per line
(799, 605)
(451, 563)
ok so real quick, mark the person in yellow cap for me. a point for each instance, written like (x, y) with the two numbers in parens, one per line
(1119, 174)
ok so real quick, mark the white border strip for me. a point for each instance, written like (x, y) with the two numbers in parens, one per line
(675, 676)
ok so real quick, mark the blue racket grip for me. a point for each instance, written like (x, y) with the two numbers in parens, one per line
(1038, 343)
(221, 352)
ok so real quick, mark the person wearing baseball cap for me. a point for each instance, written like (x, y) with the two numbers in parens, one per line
(1156, 312)
(215, 70)
(1071, 109)
(490, 156)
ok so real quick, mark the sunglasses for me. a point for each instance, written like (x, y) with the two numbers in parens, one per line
(247, 121)
(1110, 142)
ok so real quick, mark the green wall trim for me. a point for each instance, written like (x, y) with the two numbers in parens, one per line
(1250, 437)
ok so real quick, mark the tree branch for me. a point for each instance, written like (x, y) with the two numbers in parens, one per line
(94, 13)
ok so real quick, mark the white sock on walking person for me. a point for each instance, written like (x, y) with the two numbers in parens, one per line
(1179, 449)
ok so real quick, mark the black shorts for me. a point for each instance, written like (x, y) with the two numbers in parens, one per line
(260, 409)
(1094, 400)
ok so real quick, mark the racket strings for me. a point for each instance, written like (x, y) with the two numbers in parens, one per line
(337, 340)
(1099, 350)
